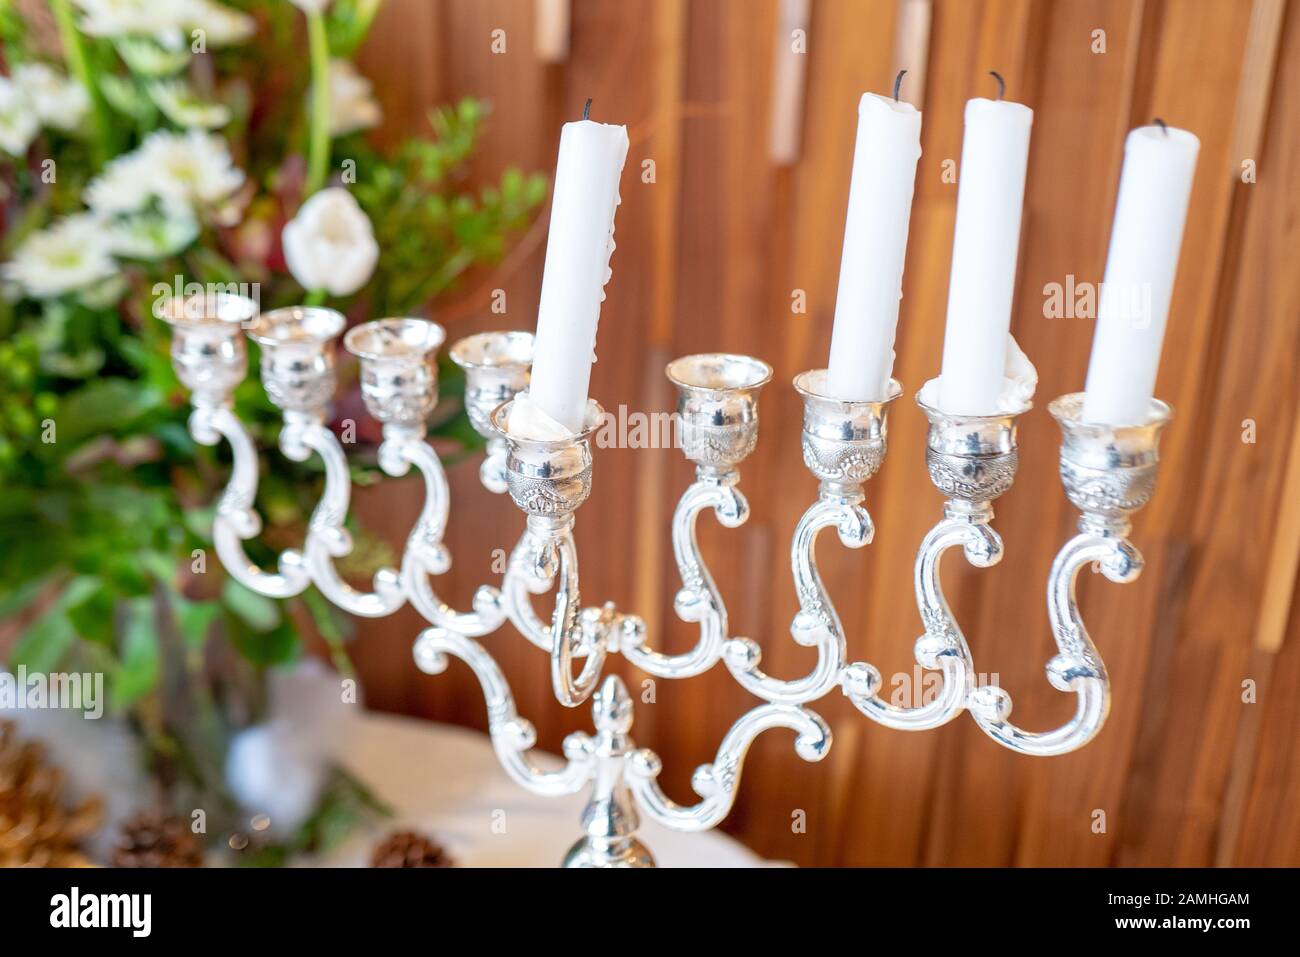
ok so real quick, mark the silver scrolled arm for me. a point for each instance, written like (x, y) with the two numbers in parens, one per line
(972, 460)
(210, 357)
(399, 385)
(716, 782)
(298, 376)
(717, 414)
(1109, 473)
(512, 736)
(236, 521)
(843, 445)
(621, 776)
(942, 647)
(698, 599)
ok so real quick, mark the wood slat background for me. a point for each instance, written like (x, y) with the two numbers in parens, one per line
(1194, 767)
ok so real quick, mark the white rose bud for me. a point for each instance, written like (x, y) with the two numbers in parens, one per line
(310, 6)
(330, 244)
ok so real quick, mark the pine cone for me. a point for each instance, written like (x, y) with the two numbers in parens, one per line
(409, 849)
(154, 838)
(35, 828)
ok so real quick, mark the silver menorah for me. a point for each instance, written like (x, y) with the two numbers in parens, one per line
(1108, 473)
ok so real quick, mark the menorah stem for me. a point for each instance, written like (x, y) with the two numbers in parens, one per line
(610, 819)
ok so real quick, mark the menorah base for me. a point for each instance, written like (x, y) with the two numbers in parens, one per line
(593, 852)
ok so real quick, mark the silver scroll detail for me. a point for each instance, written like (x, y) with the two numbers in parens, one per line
(1108, 473)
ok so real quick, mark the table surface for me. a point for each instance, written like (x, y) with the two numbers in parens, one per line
(445, 781)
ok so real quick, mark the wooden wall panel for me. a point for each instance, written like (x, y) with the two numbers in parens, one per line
(711, 249)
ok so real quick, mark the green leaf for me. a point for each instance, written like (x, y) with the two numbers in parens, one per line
(148, 58)
(322, 614)
(44, 644)
(124, 96)
(140, 667)
(160, 565)
(22, 596)
(104, 405)
(331, 629)
(195, 618)
(92, 617)
(256, 611)
(275, 647)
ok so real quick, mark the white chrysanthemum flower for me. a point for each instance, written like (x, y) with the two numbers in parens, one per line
(182, 107)
(18, 121)
(126, 184)
(180, 169)
(153, 235)
(352, 102)
(69, 256)
(59, 101)
(221, 25)
(193, 166)
(164, 20)
(330, 244)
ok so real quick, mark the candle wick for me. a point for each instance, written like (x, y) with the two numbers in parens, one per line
(1002, 84)
(586, 109)
(898, 81)
(1162, 124)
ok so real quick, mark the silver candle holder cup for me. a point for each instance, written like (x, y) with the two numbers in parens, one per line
(208, 349)
(298, 356)
(1108, 471)
(548, 478)
(843, 441)
(498, 366)
(399, 375)
(971, 459)
(717, 407)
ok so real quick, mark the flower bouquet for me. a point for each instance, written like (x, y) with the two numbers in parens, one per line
(150, 149)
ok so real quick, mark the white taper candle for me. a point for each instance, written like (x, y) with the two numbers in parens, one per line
(875, 247)
(578, 251)
(985, 246)
(1155, 186)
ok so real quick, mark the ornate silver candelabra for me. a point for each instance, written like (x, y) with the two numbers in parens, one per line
(1108, 473)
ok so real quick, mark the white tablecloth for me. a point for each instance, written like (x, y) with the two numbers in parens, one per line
(445, 781)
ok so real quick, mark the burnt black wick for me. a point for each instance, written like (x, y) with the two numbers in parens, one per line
(898, 81)
(1002, 84)
(586, 109)
(1162, 124)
